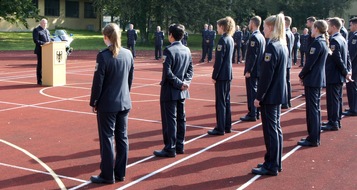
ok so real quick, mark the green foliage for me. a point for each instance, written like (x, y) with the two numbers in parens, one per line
(17, 11)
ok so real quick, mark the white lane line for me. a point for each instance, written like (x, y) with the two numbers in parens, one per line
(41, 172)
(52, 173)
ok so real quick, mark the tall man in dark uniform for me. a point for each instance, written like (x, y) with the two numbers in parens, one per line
(290, 43)
(237, 37)
(211, 38)
(304, 38)
(41, 36)
(343, 29)
(351, 87)
(309, 23)
(177, 74)
(256, 47)
(336, 72)
(296, 44)
(245, 40)
(132, 36)
(159, 41)
(205, 34)
(184, 39)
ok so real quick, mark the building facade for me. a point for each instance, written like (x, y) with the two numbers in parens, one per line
(69, 14)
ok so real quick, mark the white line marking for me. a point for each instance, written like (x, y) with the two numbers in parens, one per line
(53, 174)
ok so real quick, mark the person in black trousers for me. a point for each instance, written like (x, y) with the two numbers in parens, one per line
(41, 36)
(177, 74)
(254, 58)
(290, 43)
(222, 76)
(312, 77)
(272, 93)
(337, 71)
(245, 40)
(159, 41)
(205, 34)
(351, 86)
(237, 37)
(211, 39)
(304, 46)
(110, 100)
(296, 44)
(132, 36)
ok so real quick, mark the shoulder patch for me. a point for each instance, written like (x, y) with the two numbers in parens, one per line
(96, 67)
(333, 47)
(354, 41)
(219, 47)
(267, 57)
(252, 43)
(312, 50)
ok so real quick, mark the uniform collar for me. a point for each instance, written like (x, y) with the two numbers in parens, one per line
(176, 42)
(335, 34)
(255, 32)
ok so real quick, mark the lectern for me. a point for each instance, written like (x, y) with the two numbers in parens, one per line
(54, 58)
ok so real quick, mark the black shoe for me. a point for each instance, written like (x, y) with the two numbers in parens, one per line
(349, 113)
(117, 178)
(263, 171)
(284, 106)
(307, 143)
(180, 151)
(261, 165)
(347, 109)
(228, 130)
(329, 128)
(248, 118)
(39, 82)
(324, 123)
(202, 60)
(301, 65)
(163, 153)
(98, 179)
(214, 132)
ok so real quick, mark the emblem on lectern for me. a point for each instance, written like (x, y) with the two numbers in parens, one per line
(59, 56)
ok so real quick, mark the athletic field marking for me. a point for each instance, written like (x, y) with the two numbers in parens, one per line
(52, 173)
(41, 172)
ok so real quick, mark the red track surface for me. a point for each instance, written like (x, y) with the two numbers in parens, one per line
(55, 124)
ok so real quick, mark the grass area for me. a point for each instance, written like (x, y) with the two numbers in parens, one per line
(83, 40)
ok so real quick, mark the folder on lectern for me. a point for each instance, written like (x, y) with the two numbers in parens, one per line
(54, 59)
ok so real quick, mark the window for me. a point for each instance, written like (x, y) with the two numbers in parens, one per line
(89, 10)
(52, 7)
(72, 8)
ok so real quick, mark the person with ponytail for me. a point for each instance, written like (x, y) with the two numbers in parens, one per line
(222, 76)
(312, 78)
(272, 93)
(110, 100)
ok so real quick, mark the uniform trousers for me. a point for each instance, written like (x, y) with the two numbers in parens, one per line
(209, 51)
(237, 49)
(313, 113)
(334, 103)
(251, 84)
(244, 50)
(204, 51)
(302, 54)
(158, 51)
(113, 126)
(39, 68)
(273, 136)
(295, 54)
(223, 105)
(132, 48)
(173, 120)
(288, 84)
(351, 88)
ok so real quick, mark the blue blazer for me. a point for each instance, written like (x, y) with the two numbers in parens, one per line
(222, 68)
(290, 43)
(177, 69)
(272, 88)
(336, 63)
(112, 81)
(132, 36)
(352, 49)
(255, 51)
(40, 36)
(313, 72)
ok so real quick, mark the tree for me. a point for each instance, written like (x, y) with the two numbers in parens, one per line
(17, 11)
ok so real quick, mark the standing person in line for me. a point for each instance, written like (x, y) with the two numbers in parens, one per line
(110, 100)
(351, 87)
(309, 24)
(296, 44)
(254, 58)
(237, 37)
(343, 30)
(41, 36)
(205, 34)
(312, 78)
(185, 38)
(245, 40)
(336, 71)
(132, 36)
(290, 43)
(177, 74)
(159, 41)
(211, 38)
(222, 76)
(272, 93)
(304, 40)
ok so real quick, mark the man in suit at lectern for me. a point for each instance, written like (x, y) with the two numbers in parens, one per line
(41, 36)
